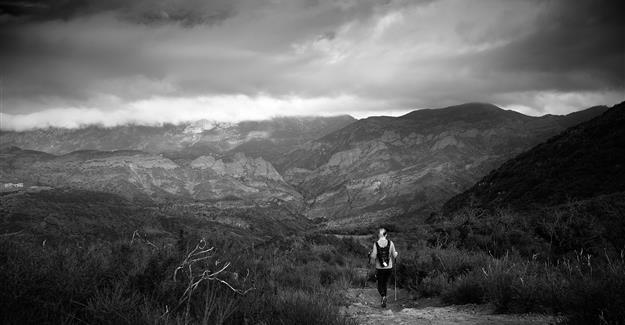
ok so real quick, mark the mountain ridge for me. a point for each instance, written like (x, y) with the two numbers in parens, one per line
(584, 161)
(368, 170)
(382, 167)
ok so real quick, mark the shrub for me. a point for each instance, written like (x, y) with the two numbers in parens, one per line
(466, 289)
(434, 285)
(326, 256)
(301, 308)
(595, 293)
(328, 276)
(122, 283)
(586, 288)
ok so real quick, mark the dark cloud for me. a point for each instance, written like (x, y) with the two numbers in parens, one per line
(185, 12)
(577, 45)
(379, 56)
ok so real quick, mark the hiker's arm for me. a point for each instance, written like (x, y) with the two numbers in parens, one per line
(393, 251)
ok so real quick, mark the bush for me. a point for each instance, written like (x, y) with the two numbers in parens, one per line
(430, 271)
(586, 289)
(123, 283)
(595, 293)
(434, 285)
(467, 289)
(301, 308)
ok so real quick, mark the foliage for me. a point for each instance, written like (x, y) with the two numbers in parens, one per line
(585, 287)
(549, 233)
(125, 282)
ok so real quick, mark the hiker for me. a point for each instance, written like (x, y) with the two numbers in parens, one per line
(383, 255)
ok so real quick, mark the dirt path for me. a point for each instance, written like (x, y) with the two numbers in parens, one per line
(365, 309)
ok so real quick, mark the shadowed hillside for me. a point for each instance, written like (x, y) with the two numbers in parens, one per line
(583, 162)
(565, 195)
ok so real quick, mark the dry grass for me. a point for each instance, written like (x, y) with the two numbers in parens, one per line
(124, 283)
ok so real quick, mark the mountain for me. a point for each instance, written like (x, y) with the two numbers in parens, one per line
(267, 138)
(337, 171)
(581, 163)
(236, 178)
(383, 167)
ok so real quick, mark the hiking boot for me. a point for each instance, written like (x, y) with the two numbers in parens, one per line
(384, 302)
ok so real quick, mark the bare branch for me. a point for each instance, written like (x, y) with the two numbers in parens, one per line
(197, 272)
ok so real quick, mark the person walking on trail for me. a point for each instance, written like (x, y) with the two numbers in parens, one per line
(383, 255)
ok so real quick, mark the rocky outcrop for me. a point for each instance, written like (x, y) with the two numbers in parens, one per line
(240, 166)
(140, 175)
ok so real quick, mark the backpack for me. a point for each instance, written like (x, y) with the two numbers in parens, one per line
(383, 253)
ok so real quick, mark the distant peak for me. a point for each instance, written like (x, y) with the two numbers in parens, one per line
(474, 109)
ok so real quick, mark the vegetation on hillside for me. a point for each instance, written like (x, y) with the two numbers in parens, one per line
(567, 259)
(584, 288)
(293, 281)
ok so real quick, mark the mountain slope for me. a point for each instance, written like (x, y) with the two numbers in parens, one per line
(365, 172)
(585, 161)
(267, 139)
(382, 167)
(139, 175)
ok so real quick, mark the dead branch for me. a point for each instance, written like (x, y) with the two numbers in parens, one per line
(198, 272)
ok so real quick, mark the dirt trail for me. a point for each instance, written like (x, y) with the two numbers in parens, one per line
(365, 309)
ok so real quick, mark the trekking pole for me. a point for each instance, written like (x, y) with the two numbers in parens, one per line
(395, 277)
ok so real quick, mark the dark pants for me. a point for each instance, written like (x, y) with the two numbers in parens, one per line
(382, 275)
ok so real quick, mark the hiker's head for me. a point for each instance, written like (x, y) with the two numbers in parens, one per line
(381, 232)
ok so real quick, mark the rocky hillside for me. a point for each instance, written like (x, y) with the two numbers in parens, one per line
(583, 162)
(382, 167)
(139, 175)
(334, 170)
(267, 139)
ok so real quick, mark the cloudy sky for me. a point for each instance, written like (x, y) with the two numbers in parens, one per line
(74, 62)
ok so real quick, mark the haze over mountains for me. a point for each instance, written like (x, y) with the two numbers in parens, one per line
(192, 139)
(335, 170)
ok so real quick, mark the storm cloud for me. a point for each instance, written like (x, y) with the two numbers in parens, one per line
(69, 63)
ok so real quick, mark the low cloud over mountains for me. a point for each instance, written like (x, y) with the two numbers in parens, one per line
(74, 62)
